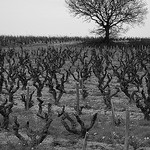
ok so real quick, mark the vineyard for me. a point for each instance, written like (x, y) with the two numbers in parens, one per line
(71, 93)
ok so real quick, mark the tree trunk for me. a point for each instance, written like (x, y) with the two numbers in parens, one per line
(147, 116)
(39, 92)
(78, 99)
(24, 85)
(11, 96)
(56, 102)
(107, 34)
(5, 121)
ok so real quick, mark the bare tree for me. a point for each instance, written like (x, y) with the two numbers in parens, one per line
(80, 68)
(27, 99)
(11, 82)
(56, 84)
(109, 15)
(39, 76)
(73, 128)
(2, 56)
(143, 98)
(101, 70)
(5, 111)
(36, 136)
(127, 70)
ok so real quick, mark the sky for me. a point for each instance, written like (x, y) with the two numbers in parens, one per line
(51, 18)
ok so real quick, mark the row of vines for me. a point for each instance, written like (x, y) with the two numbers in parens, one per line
(54, 67)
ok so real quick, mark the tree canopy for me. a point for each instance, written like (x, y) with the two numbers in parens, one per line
(111, 16)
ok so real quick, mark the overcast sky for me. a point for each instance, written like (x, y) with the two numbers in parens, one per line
(50, 18)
